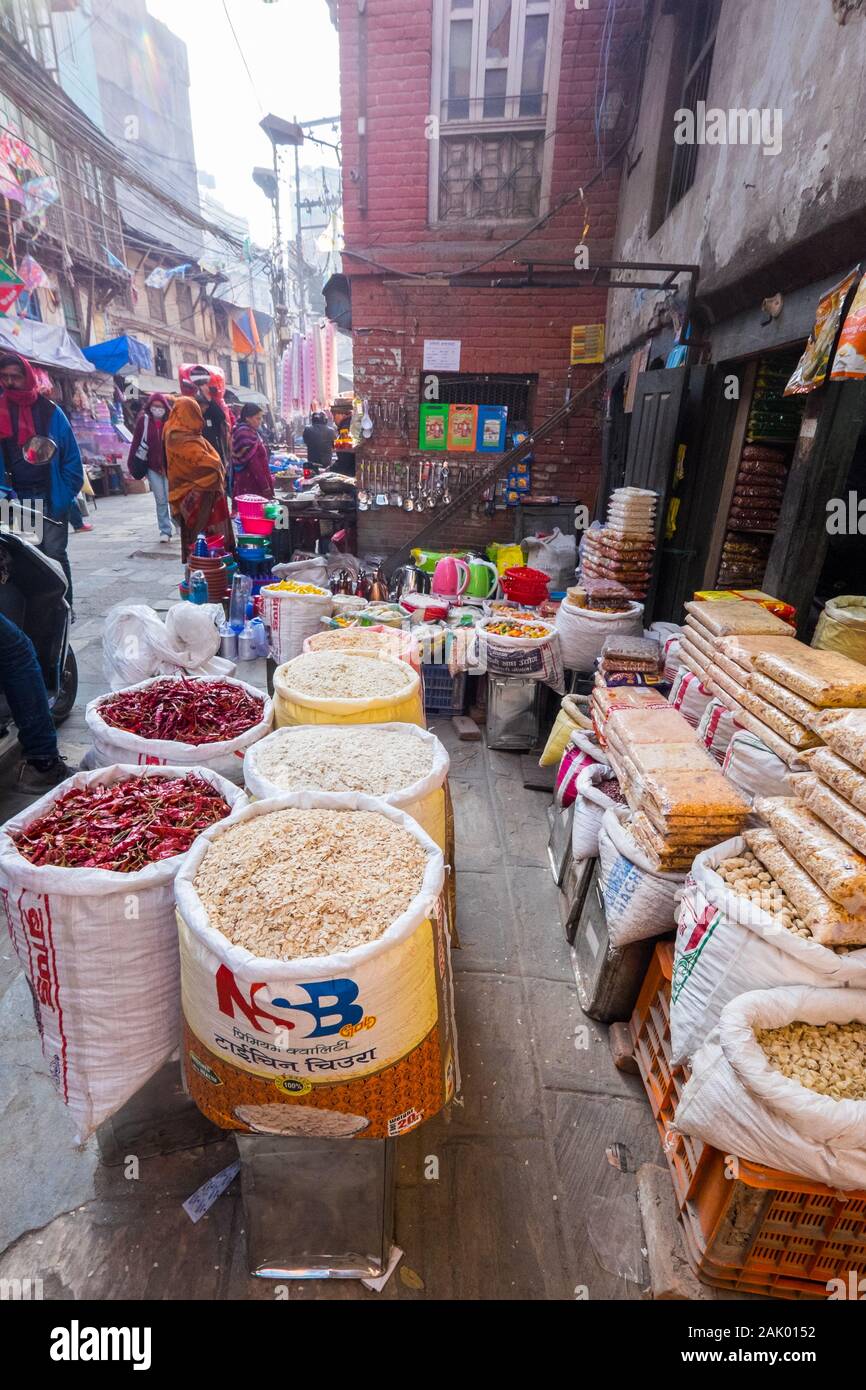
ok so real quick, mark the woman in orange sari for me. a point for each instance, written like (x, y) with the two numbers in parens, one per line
(196, 477)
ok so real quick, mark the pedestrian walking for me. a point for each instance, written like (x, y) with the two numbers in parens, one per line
(147, 446)
(25, 413)
(250, 470)
(196, 478)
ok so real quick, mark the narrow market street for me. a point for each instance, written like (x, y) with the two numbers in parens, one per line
(523, 1196)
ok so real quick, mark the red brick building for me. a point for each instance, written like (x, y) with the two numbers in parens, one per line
(466, 125)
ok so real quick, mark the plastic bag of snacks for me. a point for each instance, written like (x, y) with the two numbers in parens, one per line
(347, 688)
(99, 944)
(638, 902)
(180, 721)
(292, 610)
(760, 1088)
(404, 765)
(317, 1004)
(732, 938)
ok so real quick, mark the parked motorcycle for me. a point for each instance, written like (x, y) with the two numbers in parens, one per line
(33, 596)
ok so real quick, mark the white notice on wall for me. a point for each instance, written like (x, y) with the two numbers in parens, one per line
(441, 355)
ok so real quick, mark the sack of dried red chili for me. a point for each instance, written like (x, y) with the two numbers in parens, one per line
(181, 720)
(97, 943)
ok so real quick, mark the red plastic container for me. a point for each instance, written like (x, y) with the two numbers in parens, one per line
(523, 585)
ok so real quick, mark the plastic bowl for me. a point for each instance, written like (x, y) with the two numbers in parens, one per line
(257, 525)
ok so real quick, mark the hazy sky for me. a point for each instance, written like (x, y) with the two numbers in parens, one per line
(291, 49)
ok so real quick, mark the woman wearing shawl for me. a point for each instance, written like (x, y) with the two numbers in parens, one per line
(24, 412)
(196, 477)
(250, 471)
(147, 443)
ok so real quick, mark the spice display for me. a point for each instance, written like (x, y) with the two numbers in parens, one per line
(829, 1058)
(183, 710)
(124, 826)
(345, 675)
(517, 629)
(291, 586)
(365, 758)
(300, 883)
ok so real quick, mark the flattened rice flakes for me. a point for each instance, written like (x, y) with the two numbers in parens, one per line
(357, 758)
(345, 676)
(297, 883)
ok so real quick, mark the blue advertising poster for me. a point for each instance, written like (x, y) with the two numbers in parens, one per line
(491, 429)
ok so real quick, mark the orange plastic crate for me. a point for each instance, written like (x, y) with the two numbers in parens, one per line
(745, 1226)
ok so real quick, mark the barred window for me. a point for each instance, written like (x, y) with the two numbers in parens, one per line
(490, 176)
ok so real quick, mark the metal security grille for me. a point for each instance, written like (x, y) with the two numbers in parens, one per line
(703, 17)
(490, 175)
(459, 388)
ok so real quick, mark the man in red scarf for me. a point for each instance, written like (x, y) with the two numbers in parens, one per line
(25, 412)
(147, 443)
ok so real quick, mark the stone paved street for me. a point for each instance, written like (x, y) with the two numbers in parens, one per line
(524, 1193)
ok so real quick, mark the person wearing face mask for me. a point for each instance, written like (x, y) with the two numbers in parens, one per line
(147, 443)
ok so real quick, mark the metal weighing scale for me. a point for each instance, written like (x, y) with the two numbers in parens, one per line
(317, 1208)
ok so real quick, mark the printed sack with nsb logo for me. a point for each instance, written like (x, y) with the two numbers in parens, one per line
(357, 1044)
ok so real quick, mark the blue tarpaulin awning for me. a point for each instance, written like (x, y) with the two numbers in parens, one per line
(119, 353)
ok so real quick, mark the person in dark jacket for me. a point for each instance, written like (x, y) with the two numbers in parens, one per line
(319, 438)
(147, 437)
(25, 413)
(250, 470)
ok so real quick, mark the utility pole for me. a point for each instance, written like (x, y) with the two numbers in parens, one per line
(299, 247)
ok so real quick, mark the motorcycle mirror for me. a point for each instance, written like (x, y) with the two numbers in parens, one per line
(39, 449)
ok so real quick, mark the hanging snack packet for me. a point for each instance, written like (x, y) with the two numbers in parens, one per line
(811, 370)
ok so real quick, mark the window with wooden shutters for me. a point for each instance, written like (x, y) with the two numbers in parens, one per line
(495, 70)
(156, 303)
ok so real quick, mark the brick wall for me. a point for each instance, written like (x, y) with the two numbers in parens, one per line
(501, 330)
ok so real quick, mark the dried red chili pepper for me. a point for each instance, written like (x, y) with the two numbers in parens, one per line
(123, 827)
(183, 710)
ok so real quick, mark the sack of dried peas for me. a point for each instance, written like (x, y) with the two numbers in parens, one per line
(317, 992)
(87, 884)
(179, 720)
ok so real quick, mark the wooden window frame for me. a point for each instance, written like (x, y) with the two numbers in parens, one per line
(544, 123)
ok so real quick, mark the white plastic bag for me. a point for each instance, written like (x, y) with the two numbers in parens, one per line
(638, 902)
(589, 811)
(311, 571)
(726, 946)
(583, 632)
(740, 1104)
(137, 645)
(423, 800)
(555, 555)
(111, 745)
(754, 769)
(100, 953)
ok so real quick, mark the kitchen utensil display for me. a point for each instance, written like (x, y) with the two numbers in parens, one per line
(451, 577)
(381, 495)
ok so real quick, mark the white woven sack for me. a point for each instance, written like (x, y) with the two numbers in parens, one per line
(291, 618)
(112, 745)
(726, 946)
(638, 902)
(740, 1104)
(99, 950)
(583, 632)
(589, 811)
